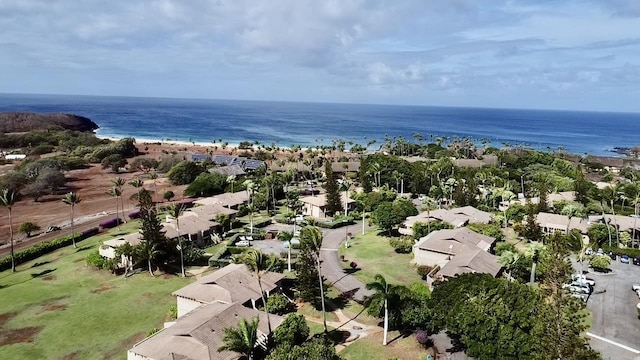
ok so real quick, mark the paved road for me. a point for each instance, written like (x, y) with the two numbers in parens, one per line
(332, 269)
(615, 321)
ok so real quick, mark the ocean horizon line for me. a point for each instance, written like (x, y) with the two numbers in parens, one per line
(433, 106)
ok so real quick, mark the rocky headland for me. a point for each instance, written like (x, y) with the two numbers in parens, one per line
(12, 122)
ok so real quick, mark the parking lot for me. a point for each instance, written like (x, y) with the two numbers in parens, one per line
(615, 324)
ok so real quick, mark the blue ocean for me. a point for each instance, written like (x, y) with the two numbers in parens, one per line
(312, 124)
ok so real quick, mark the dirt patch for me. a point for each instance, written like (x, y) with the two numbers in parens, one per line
(4, 318)
(72, 356)
(54, 307)
(102, 288)
(124, 344)
(19, 336)
(49, 278)
(78, 260)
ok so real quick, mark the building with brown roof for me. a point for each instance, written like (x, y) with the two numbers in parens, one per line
(468, 248)
(315, 206)
(457, 217)
(550, 223)
(199, 334)
(233, 283)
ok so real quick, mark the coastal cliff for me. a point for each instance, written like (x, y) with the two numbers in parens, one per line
(24, 121)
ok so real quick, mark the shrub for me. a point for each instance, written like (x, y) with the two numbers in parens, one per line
(422, 337)
(89, 233)
(353, 265)
(402, 245)
(95, 259)
(111, 223)
(424, 270)
(292, 331)
(279, 304)
(134, 214)
(28, 227)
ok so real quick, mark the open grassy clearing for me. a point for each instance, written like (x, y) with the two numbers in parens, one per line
(56, 306)
(370, 347)
(374, 255)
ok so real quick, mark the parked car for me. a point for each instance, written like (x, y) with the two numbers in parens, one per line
(613, 255)
(635, 287)
(589, 251)
(636, 260)
(577, 289)
(600, 251)
(52, 229)
(624, 259)
(583, 279)
(309, 192)
(243, 243)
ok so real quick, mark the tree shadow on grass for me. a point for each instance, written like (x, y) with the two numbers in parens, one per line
(84, 248)
(403, 334)
(42, 273)
(40, 264)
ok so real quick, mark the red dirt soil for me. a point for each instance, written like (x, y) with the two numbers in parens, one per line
(96, 205)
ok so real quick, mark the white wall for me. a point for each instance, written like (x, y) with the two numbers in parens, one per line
(423, 257)
(186, 305)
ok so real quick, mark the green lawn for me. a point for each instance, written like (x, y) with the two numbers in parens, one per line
(55, 306)
(374, 255)
(370, 347)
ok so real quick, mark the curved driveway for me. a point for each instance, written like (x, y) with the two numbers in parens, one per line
(332, 269)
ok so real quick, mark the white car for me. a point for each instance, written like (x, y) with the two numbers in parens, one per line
(243, 243)
(576, 289)
(635, 287)
(583, 279)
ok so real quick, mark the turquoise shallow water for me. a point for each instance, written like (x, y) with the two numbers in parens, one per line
(309, 124)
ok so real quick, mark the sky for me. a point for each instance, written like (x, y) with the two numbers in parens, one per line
(538, 54)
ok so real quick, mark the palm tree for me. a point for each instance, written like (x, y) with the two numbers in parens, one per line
(7, 199)
(508, 259)
(570, 211)
(241, 339)
(138, 184)
(116, 192)
(148, 251)
(382, 289)
(311, 237)
(72, 199)
(250, 186)
(175, 211)
(259, 264)
(118, 182)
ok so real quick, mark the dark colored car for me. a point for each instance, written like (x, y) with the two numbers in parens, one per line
(636, 260)
(309, 192)
(613, 255)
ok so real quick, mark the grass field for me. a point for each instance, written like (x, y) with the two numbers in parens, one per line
(56, 307)
(371, 347)
(374, 255)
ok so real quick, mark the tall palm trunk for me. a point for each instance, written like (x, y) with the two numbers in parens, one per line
(264, 302)
(73, 232)
(615, 223)
(324, 313)
(180, 245)
(13, 261)
(386, 322)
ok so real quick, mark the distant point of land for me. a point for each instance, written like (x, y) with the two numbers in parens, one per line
(11, 122)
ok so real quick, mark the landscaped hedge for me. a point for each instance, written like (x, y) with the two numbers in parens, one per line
(89, 233)
(37, 251)
(108, 224)
(334, 224)
(134, 214)
(217, 261)
(629, 252)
